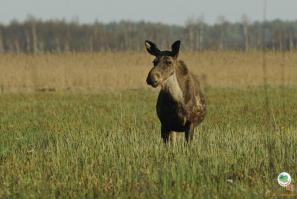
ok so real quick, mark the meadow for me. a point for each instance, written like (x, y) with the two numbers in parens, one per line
(108, 71)
(84, 126)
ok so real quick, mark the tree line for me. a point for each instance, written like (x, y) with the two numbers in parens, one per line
(37, 36)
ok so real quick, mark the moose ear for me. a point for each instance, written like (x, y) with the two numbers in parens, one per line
(175, 49)
(152, 48)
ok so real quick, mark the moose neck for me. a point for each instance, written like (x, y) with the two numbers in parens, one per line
(172, 86)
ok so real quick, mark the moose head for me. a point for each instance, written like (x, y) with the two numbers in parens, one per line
(164, 63)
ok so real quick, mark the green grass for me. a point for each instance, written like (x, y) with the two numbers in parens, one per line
(108, 146)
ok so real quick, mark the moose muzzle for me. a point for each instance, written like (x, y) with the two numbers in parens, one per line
(153, 79)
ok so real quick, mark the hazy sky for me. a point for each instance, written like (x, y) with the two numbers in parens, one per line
(166, 11)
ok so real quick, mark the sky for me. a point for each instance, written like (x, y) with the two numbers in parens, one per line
(164, 11)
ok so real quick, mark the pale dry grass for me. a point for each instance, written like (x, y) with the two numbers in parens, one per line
(128, 70)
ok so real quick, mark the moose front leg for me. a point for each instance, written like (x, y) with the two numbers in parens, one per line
(189, 133)
(168, 135)
(172, 137)
(164, 134)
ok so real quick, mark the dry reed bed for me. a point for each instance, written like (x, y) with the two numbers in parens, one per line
(128, 70)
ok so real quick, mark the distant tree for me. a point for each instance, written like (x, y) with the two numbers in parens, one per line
(35, 35)
(194, 32)
(222, 23)
(31, 34)
(246, 26)
(1, 41)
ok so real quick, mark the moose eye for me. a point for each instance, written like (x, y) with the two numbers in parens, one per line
(155, 62)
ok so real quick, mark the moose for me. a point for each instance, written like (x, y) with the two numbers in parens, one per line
(181, 104)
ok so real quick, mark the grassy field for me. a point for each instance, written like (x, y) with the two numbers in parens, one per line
(96, 135)
(108, 145)
(106, 71)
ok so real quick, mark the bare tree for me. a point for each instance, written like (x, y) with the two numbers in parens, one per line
(31, 35)
(291, 41)
(201, 26)
(17, 47)
(1, 42)
(246, 23)
(57, 45)
(34, 38)
(28, 41)
(190, 33)
(195, 32)
(223, 26)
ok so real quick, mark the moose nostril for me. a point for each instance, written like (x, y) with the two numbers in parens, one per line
(154, 82)
(153, 79)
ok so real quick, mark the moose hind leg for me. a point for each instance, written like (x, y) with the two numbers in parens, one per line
(189, 133)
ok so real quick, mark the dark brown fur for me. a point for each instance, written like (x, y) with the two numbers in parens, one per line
(181, 104)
